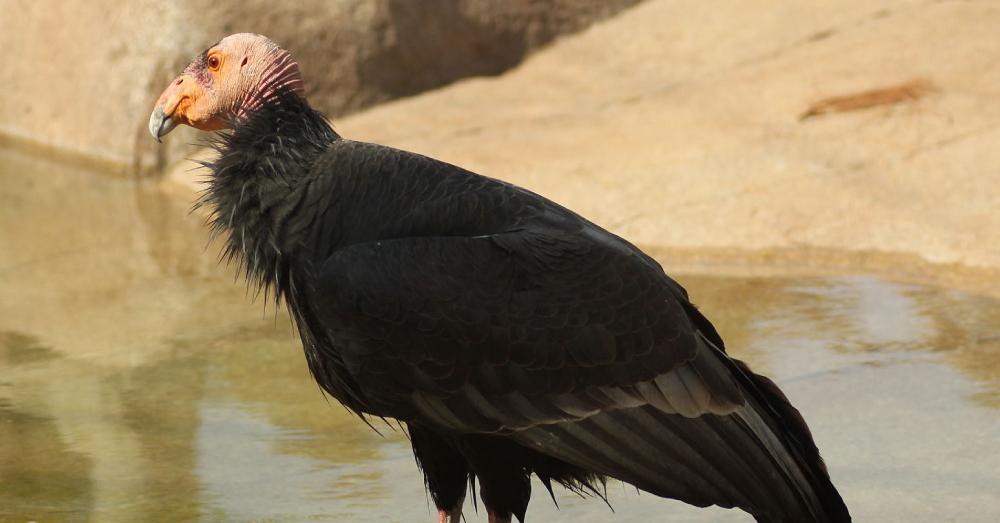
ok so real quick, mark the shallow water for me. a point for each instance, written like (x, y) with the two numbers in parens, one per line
(138, 383)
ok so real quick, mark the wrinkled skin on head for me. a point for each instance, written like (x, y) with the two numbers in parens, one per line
(224, 84)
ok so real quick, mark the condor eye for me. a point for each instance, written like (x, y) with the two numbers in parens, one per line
(214, 62)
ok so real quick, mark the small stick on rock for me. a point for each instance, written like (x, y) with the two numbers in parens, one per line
(907, 92)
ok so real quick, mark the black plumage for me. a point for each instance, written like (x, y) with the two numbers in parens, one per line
(509, 334)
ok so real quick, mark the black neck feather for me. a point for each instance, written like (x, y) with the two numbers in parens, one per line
(251, 191)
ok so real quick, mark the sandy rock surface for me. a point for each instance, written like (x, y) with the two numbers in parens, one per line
(678, 125)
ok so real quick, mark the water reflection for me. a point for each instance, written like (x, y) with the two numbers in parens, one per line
(782, 326)
(29, 440)
(137, 382)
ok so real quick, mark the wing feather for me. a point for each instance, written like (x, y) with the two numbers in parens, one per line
(503, 314)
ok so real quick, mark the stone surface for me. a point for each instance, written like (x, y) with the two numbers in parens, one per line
(81, 77)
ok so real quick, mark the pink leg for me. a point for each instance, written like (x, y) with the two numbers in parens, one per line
(454, 516)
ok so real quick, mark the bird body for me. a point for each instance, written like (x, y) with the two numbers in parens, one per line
(509, 334)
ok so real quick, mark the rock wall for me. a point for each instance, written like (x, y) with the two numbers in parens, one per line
(81, 77)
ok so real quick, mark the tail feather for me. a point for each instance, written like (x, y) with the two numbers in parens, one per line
(792, 440)
(711, 460)
(760, 457)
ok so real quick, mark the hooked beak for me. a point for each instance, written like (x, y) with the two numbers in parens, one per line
(160, 123)
(170, 106)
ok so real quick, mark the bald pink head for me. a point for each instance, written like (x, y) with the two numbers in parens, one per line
(225, 83)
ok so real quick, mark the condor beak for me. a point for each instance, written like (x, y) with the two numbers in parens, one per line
(166, 115)
(160, 123)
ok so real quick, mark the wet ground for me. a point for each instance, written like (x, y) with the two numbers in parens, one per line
(139, 383)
